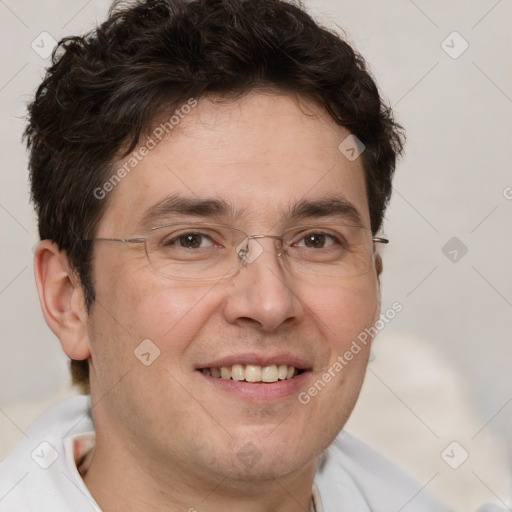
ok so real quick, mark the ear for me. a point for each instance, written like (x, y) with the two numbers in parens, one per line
(378, 271)
(62, 299)
(378, 265)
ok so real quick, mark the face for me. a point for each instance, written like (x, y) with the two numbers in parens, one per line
(259, 160)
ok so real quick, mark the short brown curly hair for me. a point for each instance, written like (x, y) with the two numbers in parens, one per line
(104, 88)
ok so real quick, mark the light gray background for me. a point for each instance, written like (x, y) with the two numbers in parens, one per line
(442, 370)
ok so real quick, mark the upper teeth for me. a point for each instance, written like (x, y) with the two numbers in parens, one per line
(252, 372)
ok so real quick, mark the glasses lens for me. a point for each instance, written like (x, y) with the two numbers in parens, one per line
(332, 251)
(194, 251)
(211, 251)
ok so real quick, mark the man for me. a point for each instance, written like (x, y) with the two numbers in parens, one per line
(210, 178)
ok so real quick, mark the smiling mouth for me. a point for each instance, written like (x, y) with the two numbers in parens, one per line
(254, 373)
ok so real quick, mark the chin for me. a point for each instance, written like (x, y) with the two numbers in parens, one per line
(269, 467)
(262, 460)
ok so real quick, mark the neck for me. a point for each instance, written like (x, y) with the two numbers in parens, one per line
(118, 480)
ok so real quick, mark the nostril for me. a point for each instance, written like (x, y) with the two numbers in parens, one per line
(247, 321)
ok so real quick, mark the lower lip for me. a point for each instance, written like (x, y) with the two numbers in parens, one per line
(259, 392)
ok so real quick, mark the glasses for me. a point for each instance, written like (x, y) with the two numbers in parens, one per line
(203, 252)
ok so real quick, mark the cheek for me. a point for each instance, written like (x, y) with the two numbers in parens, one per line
(342, 312)
(128, 369)
(346, 309)
(146, 306)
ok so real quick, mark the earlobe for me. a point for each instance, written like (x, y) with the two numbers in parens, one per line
(62, 299)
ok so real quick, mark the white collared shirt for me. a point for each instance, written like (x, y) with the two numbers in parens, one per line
(41, 475)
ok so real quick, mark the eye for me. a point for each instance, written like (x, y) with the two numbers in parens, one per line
(189, 241)
(316, 240)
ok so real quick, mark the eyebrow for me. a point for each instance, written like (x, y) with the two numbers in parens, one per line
(179, 205)
(175, 205)
(327, 207)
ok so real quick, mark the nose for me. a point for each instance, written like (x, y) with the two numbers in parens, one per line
(262, 293)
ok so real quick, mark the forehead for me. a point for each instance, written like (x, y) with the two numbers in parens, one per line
(262, 156)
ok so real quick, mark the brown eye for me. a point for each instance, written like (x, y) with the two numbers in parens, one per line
(315, 240)
(190, 241)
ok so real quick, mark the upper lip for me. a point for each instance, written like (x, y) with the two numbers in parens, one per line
(257, 359)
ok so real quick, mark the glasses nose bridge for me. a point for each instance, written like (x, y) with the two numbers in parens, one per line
(249, 252)
(278, 240)
(275, 237)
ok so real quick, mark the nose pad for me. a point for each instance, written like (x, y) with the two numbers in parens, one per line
(279, 247)
(248, 250)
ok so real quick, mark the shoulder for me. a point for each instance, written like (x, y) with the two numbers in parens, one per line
(349, 471)
(39, 474)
